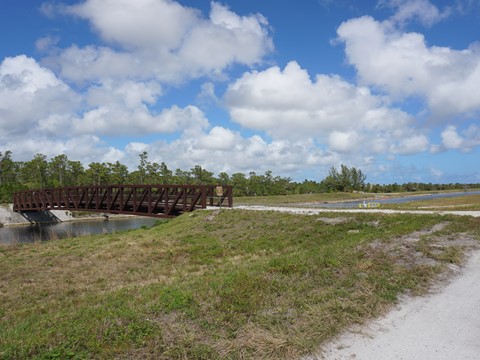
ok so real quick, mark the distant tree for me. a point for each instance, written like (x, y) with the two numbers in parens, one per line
(357, 178)
(142, 167)
(282, 186)
(34, 172)
(309, 187)
(166, 174)
(98, 174)
(7, 168)
(201, 176)
(118, 173)
(75, 174)
(9, 179)
(347, 179)
(224, 178)
(240, 184)
(57, 170)
(255, 184)
(153, 173)
(182, 177)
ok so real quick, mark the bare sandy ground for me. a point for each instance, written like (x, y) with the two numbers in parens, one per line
(443, 325)
(315, 211)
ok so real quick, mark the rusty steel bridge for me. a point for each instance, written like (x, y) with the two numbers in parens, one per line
(163, 201)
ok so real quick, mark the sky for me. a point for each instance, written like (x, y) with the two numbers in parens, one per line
(391, 87)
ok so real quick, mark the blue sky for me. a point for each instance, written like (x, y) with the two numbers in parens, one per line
(389, 86)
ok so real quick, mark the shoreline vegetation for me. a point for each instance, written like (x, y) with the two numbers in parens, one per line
(223, 284)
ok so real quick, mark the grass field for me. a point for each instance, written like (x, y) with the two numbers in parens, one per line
(225, 284)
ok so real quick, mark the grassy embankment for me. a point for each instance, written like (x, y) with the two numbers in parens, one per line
(217, 285)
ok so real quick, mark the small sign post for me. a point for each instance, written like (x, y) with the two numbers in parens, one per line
(219, 191)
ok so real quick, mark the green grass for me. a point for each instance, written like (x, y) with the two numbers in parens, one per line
(214, 285)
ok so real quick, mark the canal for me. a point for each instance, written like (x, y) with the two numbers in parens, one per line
(396, 200)
(61, 230)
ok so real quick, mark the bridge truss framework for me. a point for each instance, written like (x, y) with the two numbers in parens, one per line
(163, 201)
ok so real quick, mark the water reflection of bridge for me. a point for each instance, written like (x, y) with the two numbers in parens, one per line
(147, 200)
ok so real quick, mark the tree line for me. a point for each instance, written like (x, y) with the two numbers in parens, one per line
(60, 171)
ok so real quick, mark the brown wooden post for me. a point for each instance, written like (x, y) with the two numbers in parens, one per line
(109, 197)
(230, 196)
(184, 208)
(121, 205)
(134, 198)
(97, 197)
(149, 199)
(166, 195)
(204, 197)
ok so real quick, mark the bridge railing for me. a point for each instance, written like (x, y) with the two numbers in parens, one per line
(146, 200)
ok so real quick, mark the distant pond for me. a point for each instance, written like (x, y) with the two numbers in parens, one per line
(398, 200)
(61, 230)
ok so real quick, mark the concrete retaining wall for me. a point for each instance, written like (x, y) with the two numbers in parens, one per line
(9, 217)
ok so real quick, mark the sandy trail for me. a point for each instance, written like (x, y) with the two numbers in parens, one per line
(442, 325)
(315, 211)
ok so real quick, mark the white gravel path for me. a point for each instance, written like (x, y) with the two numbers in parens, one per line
(315, 211)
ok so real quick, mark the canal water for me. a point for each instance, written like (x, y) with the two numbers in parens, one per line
(398, 200)
(61, 230)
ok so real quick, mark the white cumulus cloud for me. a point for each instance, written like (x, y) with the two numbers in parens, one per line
(161, 39)
(463, 141)
(422, 10)
(404, 65)
(222, 149)
(29, 94)
(119, 120)
(288, 104)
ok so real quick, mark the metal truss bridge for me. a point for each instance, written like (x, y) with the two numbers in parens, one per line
(163, 201)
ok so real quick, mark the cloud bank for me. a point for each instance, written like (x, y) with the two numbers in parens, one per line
(107, 100)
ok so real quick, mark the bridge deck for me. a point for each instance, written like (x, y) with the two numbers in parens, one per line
(146, 200)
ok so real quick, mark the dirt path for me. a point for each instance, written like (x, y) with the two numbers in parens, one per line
(315, 211)
(443, 325)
